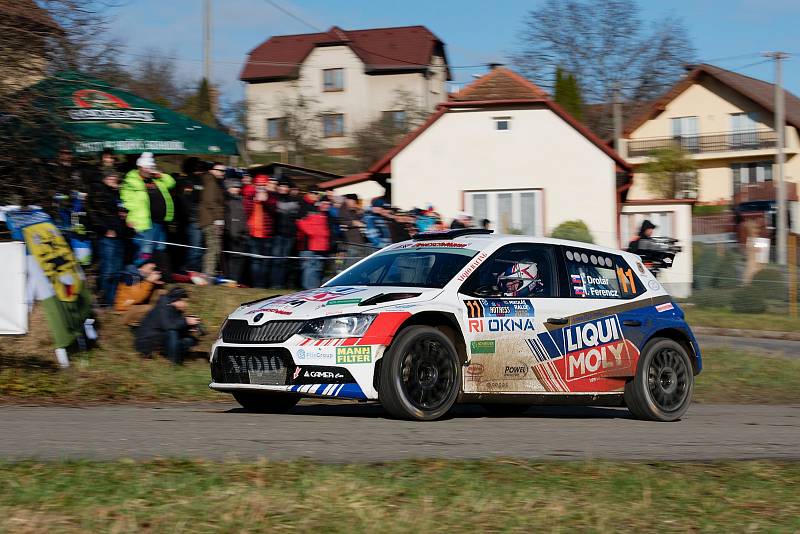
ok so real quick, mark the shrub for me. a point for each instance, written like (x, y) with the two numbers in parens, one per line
(574, 231)
(712, 298)
(770, 282)
(748, 299)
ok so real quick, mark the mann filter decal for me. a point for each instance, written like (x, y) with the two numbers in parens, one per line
(353, 355)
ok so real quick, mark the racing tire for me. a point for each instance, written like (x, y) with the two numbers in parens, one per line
(505, 410)
(265, 402)
(662, 388)
(420, 377)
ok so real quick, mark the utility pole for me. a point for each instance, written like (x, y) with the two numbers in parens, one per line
(618, 119)
(207, 40)
(781, 232)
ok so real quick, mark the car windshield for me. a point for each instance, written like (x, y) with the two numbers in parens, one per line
(431, 266)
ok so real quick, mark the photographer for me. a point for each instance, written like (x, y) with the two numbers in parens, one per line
(644, 239)
(166, 328)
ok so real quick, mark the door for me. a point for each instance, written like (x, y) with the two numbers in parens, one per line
(505, 304)
(599, 346)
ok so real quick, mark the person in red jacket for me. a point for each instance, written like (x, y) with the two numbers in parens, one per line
(259, 209)
(314, 241)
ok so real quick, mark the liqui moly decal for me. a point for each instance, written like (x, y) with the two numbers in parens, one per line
(593, 348)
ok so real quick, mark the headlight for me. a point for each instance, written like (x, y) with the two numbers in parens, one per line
(338, 327)
(221, 328)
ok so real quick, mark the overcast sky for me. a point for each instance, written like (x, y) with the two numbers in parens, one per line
(474, 31)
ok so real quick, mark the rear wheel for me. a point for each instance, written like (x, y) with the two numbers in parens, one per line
(663, 385)
(420, 376)
(266, 402)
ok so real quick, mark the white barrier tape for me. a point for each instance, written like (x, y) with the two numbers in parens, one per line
(250, 254)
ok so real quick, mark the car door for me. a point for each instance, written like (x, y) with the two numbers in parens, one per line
(505, 305)
(596, 346)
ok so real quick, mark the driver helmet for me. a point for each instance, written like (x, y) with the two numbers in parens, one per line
(519, 280)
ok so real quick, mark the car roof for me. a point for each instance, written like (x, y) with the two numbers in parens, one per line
(481, 241)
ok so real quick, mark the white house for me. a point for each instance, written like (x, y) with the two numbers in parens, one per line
(347, 79)
(501, 149)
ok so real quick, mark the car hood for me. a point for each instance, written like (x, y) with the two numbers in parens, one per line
(327, 301)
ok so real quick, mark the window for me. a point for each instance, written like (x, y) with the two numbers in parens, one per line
(502, 123)
(422, 267)
(685, 130)
(333, 125)
(395, 118)
(276, 128)
(521, 270)
(752, 172)
(333, 80)
(743, 128)
(598, 275)
(510, 211)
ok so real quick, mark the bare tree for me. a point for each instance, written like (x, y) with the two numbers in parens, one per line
(298, 127)
(605, 46)
(378, 136)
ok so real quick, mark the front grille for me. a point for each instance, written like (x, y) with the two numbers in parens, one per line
(238, 331)
(269, 367)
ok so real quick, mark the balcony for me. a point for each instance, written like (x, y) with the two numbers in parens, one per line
(700, 144)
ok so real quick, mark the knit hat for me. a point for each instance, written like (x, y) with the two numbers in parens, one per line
(176, 293)
(146, 160)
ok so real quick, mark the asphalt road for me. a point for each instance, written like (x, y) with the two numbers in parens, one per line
(362, 433)
(788, 348)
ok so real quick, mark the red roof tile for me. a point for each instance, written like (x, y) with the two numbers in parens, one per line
(500, 84)
(408, 48)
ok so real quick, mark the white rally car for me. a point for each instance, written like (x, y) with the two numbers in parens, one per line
(465, 316)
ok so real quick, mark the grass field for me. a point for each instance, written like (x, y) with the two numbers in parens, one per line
(723, 318)
(419, 496)
(113, 372)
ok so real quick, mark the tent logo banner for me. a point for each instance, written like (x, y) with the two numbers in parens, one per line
(94, 105)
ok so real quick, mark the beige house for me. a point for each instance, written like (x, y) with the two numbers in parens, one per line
(343, 79)
(725, 122)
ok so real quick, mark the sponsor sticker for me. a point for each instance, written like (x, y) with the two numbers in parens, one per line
(515, 324)
(665, 307)
(342, 302)
(499, 308)
(346, 355)
(482, 346)
(474, 371)
(516, 370)
(594, 347)
(472, 266)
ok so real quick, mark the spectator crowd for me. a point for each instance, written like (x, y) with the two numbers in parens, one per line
(212, 223)
(209, 223)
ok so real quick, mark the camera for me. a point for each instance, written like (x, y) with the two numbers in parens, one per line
(658, 252)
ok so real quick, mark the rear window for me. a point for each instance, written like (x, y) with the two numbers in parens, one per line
(598, 275)
(424, 267)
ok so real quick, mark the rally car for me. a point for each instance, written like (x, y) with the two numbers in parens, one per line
(467, 316)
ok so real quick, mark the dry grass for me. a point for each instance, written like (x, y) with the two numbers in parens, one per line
(419, 496)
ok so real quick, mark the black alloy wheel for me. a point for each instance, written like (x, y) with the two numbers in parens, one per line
(661, 389)
(420, 376)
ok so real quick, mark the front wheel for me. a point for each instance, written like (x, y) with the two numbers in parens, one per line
(266, 402)
(420, 376)
(662, 388)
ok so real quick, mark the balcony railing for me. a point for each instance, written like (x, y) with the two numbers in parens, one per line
(698, 144)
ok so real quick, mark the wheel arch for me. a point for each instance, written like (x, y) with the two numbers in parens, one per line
(442, 321)
(682, 338)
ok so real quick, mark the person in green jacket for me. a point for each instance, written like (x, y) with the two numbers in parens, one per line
(145, 195)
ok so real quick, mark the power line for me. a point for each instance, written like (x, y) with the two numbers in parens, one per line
(288, 13)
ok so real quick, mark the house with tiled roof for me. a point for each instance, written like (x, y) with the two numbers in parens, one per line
(346, 78)
(725, 122)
